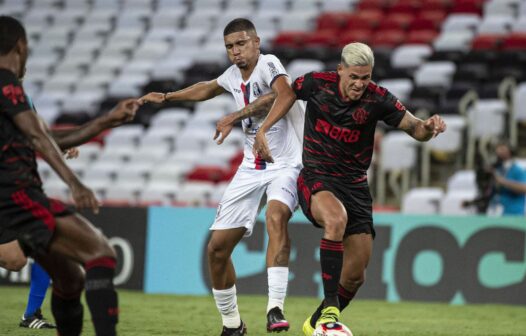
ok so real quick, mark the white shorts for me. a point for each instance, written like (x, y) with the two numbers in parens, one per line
(244, 196)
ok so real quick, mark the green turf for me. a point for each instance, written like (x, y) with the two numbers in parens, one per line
(177, 315)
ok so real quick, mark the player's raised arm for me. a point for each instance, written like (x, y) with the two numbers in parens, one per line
(258, 107)
(123, 112)
(285, 98)
(29, 124)
(422, 130)
(197, 92)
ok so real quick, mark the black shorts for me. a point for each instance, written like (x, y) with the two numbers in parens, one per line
(28, 215)
(357, 201)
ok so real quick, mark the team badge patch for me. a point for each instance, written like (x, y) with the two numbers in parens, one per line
(360, 116)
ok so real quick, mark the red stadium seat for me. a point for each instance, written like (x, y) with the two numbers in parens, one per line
(387, 38)
(421, 37)
(468, 6)
(443, 5)
(207, 173)
(396, 21)
(333, 20)
(487, 42)
(290, 39)
(322, 38)
(516, 41)
(369, 19)
(437, 16)
(407, 7)
(423, 24)
(373, 4)
(350, 36)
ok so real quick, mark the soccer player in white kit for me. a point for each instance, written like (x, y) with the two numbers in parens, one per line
(252, 75)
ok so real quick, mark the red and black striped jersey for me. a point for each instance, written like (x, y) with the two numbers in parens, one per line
(339, 135)
(18, 167)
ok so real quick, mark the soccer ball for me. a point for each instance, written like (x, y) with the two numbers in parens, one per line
(332, 329)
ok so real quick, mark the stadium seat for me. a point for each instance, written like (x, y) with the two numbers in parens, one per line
(421, 37)
(395, 145)
(410, 56)
(401, 88)
(355, 35)
(495, 25)
(372, 5)
(487, 42)
(435, 74)
(399, 21)
(299, 67)
(422, 201)
(333, 20)
(451, 203)
(195, 193)
(499, 8)
(519, 103)
(461, 22)
(462, 180)
(467, 6)
(387, 39)
(514, 41)
(453, 41)
(365, 19)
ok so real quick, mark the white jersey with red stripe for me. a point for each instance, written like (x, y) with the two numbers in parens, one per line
(284, 137)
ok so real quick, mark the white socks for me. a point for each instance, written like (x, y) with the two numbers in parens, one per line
(278, 279)
(226, 302)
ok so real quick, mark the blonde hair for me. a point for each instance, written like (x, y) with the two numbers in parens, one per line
(357, 54)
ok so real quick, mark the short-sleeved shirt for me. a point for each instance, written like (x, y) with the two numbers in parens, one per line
(18, 167)
(339, 135)
(284, 143)
(512, 203)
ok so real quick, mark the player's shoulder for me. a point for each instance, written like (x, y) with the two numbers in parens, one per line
(269, 58)
(8, 76)
(377, 90)
(324, 76)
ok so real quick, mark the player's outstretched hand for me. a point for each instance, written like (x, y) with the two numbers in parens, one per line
(223, 128)
(123, 112)
(72, 153)
(261, 147)
(435, 124)
(84, 198)
(152, 97)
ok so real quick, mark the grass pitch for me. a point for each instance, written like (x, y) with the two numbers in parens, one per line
(146, 315)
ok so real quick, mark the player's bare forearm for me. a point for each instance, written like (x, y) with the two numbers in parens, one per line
(197, 92)
(257, 108)
(419, 129)
(29, 124)
(415, 128)
(79, 135)
(285, 98)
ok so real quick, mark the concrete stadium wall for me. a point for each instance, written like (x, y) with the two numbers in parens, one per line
(418, 258)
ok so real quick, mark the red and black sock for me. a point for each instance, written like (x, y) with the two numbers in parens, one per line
(101, 296)
(344, 298)
(331, 259)
(68, 313)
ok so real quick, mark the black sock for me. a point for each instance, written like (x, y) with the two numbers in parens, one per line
(344, 298)
(331, 259)
(68, 315)
(101, 296)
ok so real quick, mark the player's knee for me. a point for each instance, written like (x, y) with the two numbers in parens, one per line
(354, 281)
(14, 264)
(335, 225)
(216, 252)
(276, 224)
(69, 283)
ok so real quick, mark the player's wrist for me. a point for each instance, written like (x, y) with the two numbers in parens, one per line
(165, 96)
